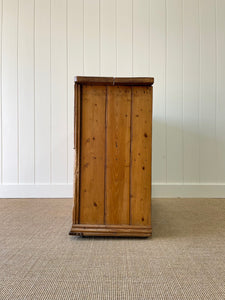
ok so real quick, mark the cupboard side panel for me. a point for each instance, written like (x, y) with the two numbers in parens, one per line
(141, 155)
(92, 154)
(118, 155)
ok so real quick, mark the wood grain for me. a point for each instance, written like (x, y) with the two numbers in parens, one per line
(118, 155)
(111, 230)
(141, 155)
(114, 80)
(92, 155)
(77, 91)
(113, 131)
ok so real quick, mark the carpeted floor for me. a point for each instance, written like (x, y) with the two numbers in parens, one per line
(185, 258)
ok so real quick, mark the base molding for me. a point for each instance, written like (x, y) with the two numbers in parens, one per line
(188, 190)
(111, 230)
(38, 190)
(159, 190)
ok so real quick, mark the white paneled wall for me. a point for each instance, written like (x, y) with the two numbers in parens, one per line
(45, 43)
(42, 74)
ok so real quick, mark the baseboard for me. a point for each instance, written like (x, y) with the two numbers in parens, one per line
(188, 190)
(111, 230)
(159, 190)
(36, 191)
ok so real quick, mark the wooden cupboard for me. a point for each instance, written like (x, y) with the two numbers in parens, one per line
(112, 141)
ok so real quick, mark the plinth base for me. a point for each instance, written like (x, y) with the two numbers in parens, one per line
(110, 230)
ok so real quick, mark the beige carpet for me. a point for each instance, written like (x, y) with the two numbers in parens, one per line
(185, 258)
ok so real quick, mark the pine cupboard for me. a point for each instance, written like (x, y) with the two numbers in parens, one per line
(113, 146)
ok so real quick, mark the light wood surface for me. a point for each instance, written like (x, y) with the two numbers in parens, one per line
(141, 155)
(112, 230)
(114, 80)
(113, 133)
(77, 93)
(92, 155)
(118, 155)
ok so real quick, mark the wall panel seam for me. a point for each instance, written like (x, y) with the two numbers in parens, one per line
(132, 37)
(199, 101)
(148, 37)
(67, 70)
(166, 86)
(50, 119)
(18, 100)
(1, 169)
(216, 87)
(84, 73)
(99, 32)
(34, 53)
(182, 59)
(116, 35)
(83, 35)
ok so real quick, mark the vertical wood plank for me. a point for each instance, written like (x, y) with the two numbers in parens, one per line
(174, 96)
(26, 91)
(91, 37)
(75, 68)
(108, 37)
(157, 69)
(59, 91)
(141, 159)
(92, 155)
(42, 92)
(9, 92)
(140, 37)
(1, 14)
(208, 170)
(124, 38)
(220, 105)
(118, 155)
(191, 62)
(77, 143)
